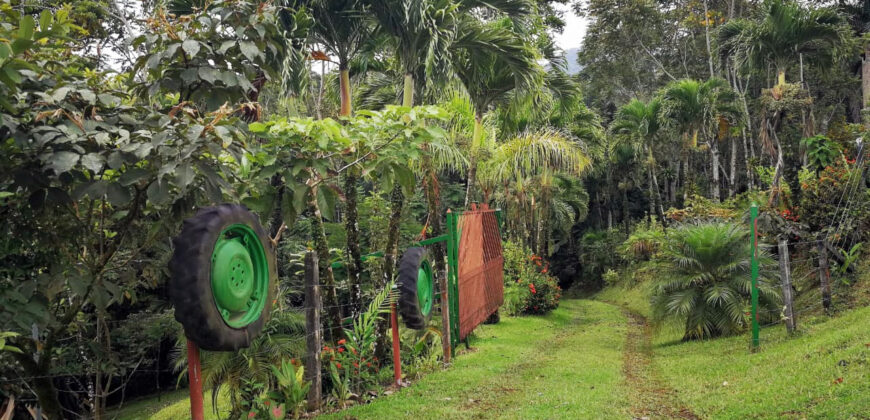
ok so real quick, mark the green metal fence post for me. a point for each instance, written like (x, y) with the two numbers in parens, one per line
(453, 277)
(753, 211)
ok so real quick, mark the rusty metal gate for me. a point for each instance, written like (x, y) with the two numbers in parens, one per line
(476, 268)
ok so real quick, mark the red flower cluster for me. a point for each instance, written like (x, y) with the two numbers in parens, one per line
(787, 214)
(532, 288)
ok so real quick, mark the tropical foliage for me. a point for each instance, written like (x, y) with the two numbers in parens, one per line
(351, 127)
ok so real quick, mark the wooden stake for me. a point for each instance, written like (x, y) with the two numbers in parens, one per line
(194, 374)
(785, 274)
(313, 306)
(824, 275)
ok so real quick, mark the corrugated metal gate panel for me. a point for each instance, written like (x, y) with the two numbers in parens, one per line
(481, 268)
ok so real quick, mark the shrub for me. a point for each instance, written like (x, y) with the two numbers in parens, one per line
(529, 289)
(611, 278)
(598, 252)
(704, 280)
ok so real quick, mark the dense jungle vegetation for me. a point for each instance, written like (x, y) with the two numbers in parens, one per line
(352, 126)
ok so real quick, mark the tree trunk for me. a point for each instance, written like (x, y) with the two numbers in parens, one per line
(42, 383)
(472, 164)
(732, 181)
(707, 20)
(351, 220)
(657, 195)
(544, 243)
(626, 216)
(344, 91)
(397, 202)
(865, 86)
(746, 159)
(687, 178)
(824, 275)
(330, 301)
(652, 194)
(351, 224)
(714, 153)
(408, 90)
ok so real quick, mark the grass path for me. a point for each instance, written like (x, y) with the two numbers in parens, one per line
(651, 397)
(567, 364)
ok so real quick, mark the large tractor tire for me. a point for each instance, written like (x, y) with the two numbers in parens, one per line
(222, 277)
(416, 288)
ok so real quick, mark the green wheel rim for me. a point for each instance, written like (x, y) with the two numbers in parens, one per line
(239, 275)
(424, 287)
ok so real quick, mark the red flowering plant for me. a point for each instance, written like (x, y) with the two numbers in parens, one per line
(529, 289)
(823, 195)
(351, 364)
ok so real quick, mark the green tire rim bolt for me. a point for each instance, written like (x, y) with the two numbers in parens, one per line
(239, 275)
(424, 287)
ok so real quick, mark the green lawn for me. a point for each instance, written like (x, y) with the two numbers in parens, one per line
(170, 406)
(569, 364)
(789, 378)
(563, 365)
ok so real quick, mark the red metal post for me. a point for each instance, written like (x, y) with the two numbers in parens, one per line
(397, 362)
(194, 375)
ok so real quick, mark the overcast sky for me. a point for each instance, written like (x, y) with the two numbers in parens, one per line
(575, 28)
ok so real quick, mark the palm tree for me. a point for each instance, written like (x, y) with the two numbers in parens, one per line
(696, 108)
(535, 157)
(342, 28)
(783, 33)
(490, 61)
(706, 282)
(641, 122)
(283, 338)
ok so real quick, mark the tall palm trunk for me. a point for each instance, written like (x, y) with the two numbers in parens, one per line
(656, 196)
(344, 91)
(472, 164)
(351, 223)
(330, 295)
(544, 243)
(351, 220)
(714, 154)
(865, 86)
(397, 202)
(732, 181)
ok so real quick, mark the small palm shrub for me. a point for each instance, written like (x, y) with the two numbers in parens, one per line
(705, 280)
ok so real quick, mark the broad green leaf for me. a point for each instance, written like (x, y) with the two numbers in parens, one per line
(326, 202)
(226, 45)
(158, 192)
(12, 74)
(44, 20)
(208, 74)
(191, 47)
(132, 176)
(257, 127)
(25, 27)
(117, 195)
(249, 49)
(63, 161)
(116, 160)
(5, 51)
(184, 175)
(93, 161)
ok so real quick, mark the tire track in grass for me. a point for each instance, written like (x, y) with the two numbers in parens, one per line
(558, 377)
(652, 398)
